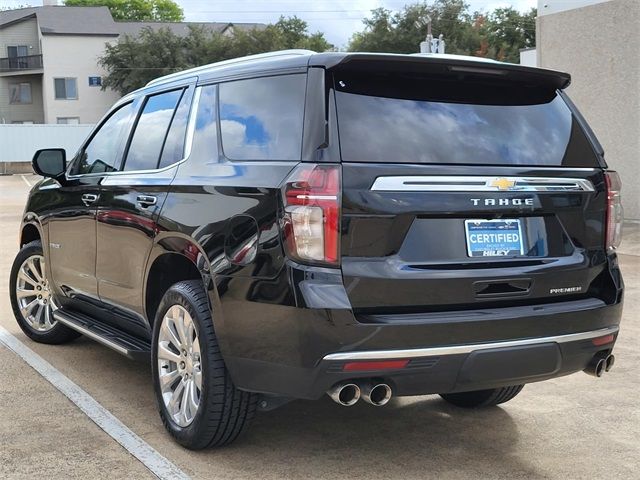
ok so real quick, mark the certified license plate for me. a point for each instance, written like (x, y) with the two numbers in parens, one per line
(494, 238)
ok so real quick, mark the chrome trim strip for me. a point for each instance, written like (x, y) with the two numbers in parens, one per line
(463, 349)
(88, 333)
(445, 183)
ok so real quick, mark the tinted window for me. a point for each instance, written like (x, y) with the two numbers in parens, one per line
(151, 130)
(424, 121)
(261, 118)
(104, 150)
(174, 144)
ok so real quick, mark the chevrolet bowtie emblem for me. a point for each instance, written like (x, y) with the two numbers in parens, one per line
(502, 183)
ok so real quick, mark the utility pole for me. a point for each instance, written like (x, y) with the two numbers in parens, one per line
(432, 45)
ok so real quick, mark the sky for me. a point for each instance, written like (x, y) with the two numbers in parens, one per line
(336, 18)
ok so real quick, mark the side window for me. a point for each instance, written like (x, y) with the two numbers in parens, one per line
(261, 118)
(174, 144)
(151, 131)
(103, 152)
(205, 137)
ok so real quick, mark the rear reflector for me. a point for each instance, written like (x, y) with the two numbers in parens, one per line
(375, 365)
(615, 213)
(603, 340)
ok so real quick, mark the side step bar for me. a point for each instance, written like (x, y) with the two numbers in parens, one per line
(107, 335)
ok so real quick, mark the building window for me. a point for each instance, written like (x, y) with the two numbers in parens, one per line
(66, 88)
(68, 120)
(17, 54)
(20, 93)
(22, 122)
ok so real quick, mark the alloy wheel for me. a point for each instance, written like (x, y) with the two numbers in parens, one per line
(34, 296)
(179, 365)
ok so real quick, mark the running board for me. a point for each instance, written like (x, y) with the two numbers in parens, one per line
(107, 335)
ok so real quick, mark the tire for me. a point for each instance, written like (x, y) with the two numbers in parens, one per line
(482, 398)
(33, 312)
(223, 412)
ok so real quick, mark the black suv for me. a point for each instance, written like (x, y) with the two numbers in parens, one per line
(292, 224)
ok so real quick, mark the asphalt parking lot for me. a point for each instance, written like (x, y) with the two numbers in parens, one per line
(572, 427)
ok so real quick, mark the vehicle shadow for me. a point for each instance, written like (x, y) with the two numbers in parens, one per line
(411, 437)
(419, 437)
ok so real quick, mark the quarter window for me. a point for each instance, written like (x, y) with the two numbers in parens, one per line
(151, 131)
(65, 88)
(261, 118)
(20, 93)
(104, 150)
(173, 150)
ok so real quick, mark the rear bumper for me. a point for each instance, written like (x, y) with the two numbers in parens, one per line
(430, 369)
(299, 349)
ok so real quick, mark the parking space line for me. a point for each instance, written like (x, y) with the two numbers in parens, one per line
(147, 455)
(26, 181)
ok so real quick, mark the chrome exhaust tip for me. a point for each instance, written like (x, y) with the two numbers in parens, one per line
(377, 395)
(345, 394)
(597, 366)
(609, 361)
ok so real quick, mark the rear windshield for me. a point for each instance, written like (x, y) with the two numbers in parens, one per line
(454, 121)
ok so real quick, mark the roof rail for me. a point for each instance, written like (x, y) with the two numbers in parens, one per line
(233, 61)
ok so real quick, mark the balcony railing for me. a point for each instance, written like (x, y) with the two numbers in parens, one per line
(29, 62)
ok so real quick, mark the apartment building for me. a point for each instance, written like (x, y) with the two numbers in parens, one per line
(49, 70)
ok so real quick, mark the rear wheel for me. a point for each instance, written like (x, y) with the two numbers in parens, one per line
(31, 299)
(483, 398)
(199, 404)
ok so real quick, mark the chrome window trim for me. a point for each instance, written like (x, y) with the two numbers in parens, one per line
(188, 142)
(468, 348)
(455, 183)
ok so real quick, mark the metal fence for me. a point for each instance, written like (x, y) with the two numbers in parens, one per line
(18, 143)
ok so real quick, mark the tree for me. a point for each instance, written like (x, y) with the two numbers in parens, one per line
(508, 31)
(138, 10)
(402, 32)
(132, 62)
(499, 34)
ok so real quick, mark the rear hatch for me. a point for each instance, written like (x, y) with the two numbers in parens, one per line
(463, 189)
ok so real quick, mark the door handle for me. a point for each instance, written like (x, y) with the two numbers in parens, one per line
(146, 200)
(89, 198)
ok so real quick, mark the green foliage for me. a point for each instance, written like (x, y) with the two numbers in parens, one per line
(132, 62)
(138, 10)
(500, 34)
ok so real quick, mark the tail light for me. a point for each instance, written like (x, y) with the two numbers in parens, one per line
(615, 213)
(311, 223)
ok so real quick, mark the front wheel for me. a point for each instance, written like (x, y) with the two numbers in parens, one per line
(31, 299)
(198, 402)
(483, 398)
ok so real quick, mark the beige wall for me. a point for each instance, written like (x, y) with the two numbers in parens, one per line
(21, 33)
(76, 57)
(32, 112)
(599, 45)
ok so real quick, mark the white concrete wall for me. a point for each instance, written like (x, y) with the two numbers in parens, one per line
(599, 45)
(529, 57)
(20, 142)
(547, 7)
(77, 57)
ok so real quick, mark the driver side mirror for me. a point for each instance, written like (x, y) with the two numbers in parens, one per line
(50, 162)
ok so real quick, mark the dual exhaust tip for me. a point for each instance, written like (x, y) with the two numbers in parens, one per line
(348, 393)
(599, 364)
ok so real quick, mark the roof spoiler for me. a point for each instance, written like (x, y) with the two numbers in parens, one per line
(444, 65)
